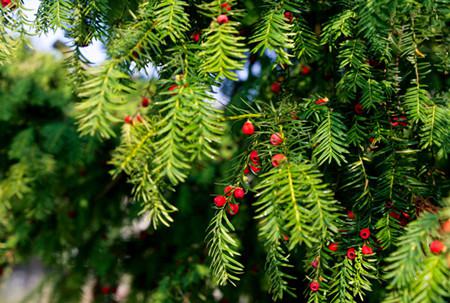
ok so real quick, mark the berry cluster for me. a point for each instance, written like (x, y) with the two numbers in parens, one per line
(231, 195)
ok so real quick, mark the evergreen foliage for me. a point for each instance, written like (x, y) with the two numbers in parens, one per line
(331, 119)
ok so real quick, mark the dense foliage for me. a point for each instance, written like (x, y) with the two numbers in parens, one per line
(329, 140)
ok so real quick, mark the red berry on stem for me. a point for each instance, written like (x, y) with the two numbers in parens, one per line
(315, 263)
(278, 159)
(359, 110)
(255, 169)
(139, 118)
(222, 19)
(220, 201)
(394, 124)
(364, 233)
(239, 193)
(248, 128)
(6, 2)
(289, 16)
(276, 87)
(276, 139)
(351, 254)
(234, 209)
(226, 6)
(173, 87)
(367, 250)
(128, 119)
(321, 101)
(314, 286)
(371, 140)
(228, 190)
(246, 170)
(350, 215)
(306, 70)
(333, 247)
(285, 237)
(254, 157)
(196, 37)
(437, 247)
(106, 289)
(394, 215)
(145, 101)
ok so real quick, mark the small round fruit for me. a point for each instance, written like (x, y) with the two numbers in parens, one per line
(364, 233)
(254, 157)
(314, 286)
(367, 250)
(220, 201)
(289, 16)
(248, 128)
(351, 254)
(445, 226)
(350, 214)
(196, 37)
(228, 190)
(306, 70)
(276, 139)
(234, 209)
(437, 247)
(278, 159)
(315, 263)
(222, 19)
(239, 193)
(359, 110)
(145, 101)
(276, 87)
(255, 169)
(333, 246)
(128, 119)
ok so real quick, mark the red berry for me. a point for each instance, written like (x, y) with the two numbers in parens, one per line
(350, 215)
(364, 233)
(234, 209)
(220, 201)
(276, 139)
(276, 87)
(315, 263)
(222, 19)
(394, 215)
(394, 124)
(226, 6)
(371, 140)
(321, 101)
(196, 37)
(246, 170)
(405, 215)
(239, 193)
(139, 118)
(278, 159)
(289, 16)
(306, 70)
(359, 110)
(173, 87)
(228, 190)
(254, 157)
(255, 169)
(6, 2)
(314, 286)
(333, 246)
(351, 254)
(106, 289)
(248, 128)
(128, 120)
(145, 101)
(285, 237)
(367, 250)
(403, 123)
(437, 247)
(446, 226)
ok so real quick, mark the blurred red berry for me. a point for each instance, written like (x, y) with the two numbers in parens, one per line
(222, 19)
(196, 37)
(145, 101)
(351, 254)
(254, 157)
(255, 169)
(239, 193)
(314, 286)
(276, 87)
(278, 159)
(306, 70)
(364, 233)
(437, 247)
(333, 247)
(359, 110)
(315, 263)
(228, 190)
(289, 16)
(248, 128)
(128, 119)
(350, 214)
(276, 139)
(321, 101)
(233, 209)
(220, 201)
(367, 250)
